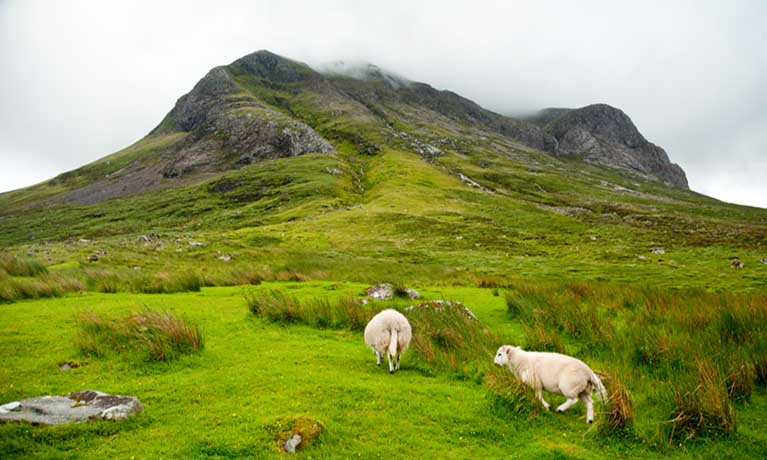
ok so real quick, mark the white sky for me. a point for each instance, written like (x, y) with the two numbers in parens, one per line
(82, 79)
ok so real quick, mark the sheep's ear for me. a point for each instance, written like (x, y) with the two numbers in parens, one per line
(508, 351)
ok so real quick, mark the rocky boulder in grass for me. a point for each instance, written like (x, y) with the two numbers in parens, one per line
(441, 305)
(80, 406)
(384, 291)
(294, 434)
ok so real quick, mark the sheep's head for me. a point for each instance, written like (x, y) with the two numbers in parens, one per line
(504, 354)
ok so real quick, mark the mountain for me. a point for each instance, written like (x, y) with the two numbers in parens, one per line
(263, 106)
(348, 169)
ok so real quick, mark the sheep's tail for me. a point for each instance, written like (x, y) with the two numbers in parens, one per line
(393, 343)
(598, 387)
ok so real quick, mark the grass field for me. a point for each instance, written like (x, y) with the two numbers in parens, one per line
(662, 290)
(219, 403)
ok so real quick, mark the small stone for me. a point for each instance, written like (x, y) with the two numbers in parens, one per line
(763, 261)
(658, 251)
(737, 264)
(292, 443)
(225, 257)
(412, 293)
(641, 257)
(196, 243)
(93, 258)
(67, 365)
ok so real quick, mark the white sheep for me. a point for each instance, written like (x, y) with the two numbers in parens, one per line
(388, 332)
(555, 373)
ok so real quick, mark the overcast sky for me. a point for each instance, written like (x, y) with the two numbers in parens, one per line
(82, 79)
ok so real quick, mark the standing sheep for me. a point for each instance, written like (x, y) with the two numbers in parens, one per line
(555, 373)
(388, 332)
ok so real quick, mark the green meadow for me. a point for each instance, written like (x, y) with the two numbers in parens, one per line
(221, 401)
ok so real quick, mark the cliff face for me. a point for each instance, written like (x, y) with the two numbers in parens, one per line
(603, 135)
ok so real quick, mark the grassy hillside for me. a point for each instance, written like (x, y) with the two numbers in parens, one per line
(406, 185)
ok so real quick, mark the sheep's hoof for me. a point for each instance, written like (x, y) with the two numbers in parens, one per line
(391, 372)
(590, 421)
(559, 411)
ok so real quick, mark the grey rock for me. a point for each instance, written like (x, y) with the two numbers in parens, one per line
(384, 291)
(606, 136)
(658, 251)
(292, 443)
(737, 264)
(442, 305)
(196, 243)
(763, 261)
(412, 293)
(77, 407)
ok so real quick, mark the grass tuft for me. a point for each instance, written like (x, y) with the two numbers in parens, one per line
(160, 335)
(618, 417)
(705, 409)
(21, 266)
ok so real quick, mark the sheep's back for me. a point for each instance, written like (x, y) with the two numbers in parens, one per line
(378, 330)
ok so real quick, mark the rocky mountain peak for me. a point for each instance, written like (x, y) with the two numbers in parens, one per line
(269, 66)
(604, 135)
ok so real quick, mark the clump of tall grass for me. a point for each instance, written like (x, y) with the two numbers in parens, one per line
(21, 266)
(618, 416)
(277, 306)
(167, 283)
(704, 409)
(541, 339)
(159, 335)
(490, 282)
(46, 285)
(740, 381)
(509, 395)
(446, 336)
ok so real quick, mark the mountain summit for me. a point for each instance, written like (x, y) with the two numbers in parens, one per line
(264, 106)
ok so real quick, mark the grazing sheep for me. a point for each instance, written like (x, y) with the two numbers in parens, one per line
(555, 373)
(388, 332)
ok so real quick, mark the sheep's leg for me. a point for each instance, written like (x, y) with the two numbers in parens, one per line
(586, 398)
(539, 395)
(378, 357)
(567, 404)
(398, 355)
(391, 365)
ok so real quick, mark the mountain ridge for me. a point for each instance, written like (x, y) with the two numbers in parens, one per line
(241, 113)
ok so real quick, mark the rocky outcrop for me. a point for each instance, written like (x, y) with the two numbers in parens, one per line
(77, 407)
(603, 135)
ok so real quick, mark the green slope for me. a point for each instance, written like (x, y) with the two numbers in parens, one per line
(415, 187)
